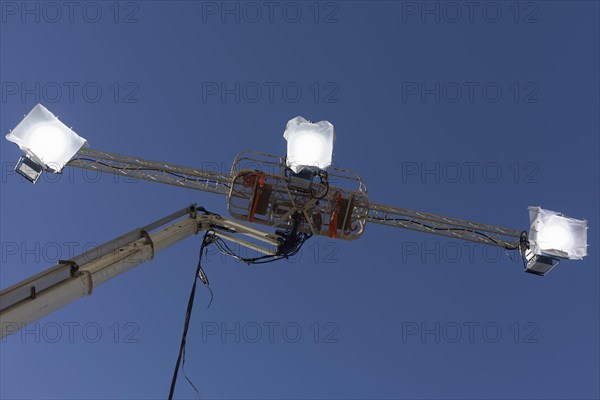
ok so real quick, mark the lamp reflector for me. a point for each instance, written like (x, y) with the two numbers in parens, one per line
(309, 144)
(45, 139)
(554, 234)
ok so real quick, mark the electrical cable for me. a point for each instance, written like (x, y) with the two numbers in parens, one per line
(207, 240)
(514, 247)
(152, 169)
(290, 246)
(524, 245)
(297, 244)
(524, 259)
(324, 180)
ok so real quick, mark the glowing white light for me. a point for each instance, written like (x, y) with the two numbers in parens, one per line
(45, 139)
(307, 148)
(554, 234)
(49, 141)
(309, 145)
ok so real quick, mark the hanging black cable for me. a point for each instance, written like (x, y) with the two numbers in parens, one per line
(291, 243)
(207, 240)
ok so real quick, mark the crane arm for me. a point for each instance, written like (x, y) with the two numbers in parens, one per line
(40, 295)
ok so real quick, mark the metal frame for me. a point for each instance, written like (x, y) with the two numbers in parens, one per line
(154, 171)
(445, 226)
(285, 201)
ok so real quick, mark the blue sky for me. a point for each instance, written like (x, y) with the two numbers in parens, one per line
(469, 111)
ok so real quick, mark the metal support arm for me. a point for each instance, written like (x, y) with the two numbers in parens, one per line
(444, 226)
(38, 296)
(282, 199)
(154, 171)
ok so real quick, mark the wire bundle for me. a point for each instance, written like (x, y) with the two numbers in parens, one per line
(290, 245)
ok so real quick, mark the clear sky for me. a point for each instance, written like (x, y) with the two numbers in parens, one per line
(469, 109)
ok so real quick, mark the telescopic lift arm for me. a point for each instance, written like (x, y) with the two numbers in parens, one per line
(40, 295)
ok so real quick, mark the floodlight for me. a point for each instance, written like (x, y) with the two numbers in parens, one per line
(309, 144)
(554, 234)
(47, 142)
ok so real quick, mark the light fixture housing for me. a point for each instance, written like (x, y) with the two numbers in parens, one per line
(538, 264)
(309, 144)
(46, 141)
(29, 169)
(553, 234)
